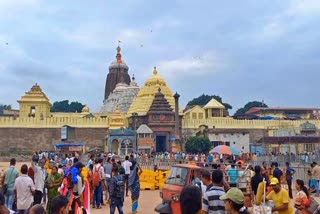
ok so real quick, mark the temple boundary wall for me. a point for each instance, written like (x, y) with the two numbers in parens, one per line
(245, 124)
(97, 122)
(53, 122)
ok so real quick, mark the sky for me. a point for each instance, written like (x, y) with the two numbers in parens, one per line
(240, 50)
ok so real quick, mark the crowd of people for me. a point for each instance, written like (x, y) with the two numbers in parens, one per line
(215, 196)
(63, 184)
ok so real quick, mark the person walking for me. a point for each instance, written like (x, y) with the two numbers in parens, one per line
(8, 180)
(3, 208)
(315, 171)
(302, 199)
(25, 189)
(52, 183)
(234, 201)
(116, 191)
(280, 197)
(256, 179)
(39, 180)
(98, 178)
(289, 174)
(190, 200)
(211, 202)
(277, 173)
(126, 165)
(134, 186)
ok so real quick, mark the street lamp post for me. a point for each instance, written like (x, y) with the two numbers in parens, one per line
(135, 114)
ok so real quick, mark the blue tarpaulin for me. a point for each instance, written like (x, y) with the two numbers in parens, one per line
(268, 117)
(61, 144)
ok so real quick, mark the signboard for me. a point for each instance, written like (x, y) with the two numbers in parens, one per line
(75, 148)
(64, 133)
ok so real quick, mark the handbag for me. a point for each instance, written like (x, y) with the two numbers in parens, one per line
(4, 189)
(313, 205)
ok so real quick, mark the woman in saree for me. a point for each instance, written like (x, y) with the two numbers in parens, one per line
(302, 199)
(134, 186)
(53, 182)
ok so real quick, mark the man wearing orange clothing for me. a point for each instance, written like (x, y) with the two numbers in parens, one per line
(280, 198)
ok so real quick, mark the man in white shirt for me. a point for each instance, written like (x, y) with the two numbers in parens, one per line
(126, 165)
(24, 188)
(39, 180)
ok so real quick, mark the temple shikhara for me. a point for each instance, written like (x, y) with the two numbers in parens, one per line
(149, 119)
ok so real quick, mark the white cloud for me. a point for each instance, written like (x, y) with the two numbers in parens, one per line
(273, 29)
(91, 35)
(294, 16)
(189, 65)
(304, 7)
(132, 37)
(12, 8)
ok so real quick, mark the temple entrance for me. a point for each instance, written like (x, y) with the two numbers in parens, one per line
(161, 143)
(115, 146)
(126, 147)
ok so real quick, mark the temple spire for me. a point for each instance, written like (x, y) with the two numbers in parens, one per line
(118, 56)
(155, 70)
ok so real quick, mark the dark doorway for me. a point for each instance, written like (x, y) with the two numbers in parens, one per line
(161, 143)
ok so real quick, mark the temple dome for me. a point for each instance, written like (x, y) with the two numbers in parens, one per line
(133, 83)
(143, 101)
(121, 97)
(121, 86)
(119, 62)
(85, 109)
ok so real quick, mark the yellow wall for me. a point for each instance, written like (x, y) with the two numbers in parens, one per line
(195, 113)
(53, 122)
(247, 124)
(25, 109)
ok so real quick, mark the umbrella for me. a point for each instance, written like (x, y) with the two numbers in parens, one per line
(223, 149)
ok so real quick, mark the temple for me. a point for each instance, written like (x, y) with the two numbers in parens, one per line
(141, 104)
(34, 103)
(149, 119)
(118, 72)
(121, 97)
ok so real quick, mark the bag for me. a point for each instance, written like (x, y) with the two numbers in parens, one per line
(122, 171)
(96, 177)
(313, 205)
(119, 188)
(261, 209)
(4, 189)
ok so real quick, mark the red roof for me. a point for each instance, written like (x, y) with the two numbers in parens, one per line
(257, 109)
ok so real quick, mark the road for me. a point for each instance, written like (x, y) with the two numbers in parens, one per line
(147, 202)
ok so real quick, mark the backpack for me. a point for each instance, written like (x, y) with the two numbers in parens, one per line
(119, 187)
(122, 170)
(96, 176)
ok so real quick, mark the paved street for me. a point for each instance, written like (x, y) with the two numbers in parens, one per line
(147, 202)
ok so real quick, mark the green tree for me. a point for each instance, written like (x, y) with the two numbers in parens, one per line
(5, 107)
(204, 99)
(64, 106)
(250, 105)
(198, 144)
(75, 107)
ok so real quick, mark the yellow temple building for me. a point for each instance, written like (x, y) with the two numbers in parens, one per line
(154, 111)
(143, 100)
(34, 103)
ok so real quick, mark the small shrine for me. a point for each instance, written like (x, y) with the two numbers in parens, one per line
(34, 103)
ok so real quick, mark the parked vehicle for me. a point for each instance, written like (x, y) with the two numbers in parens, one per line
(180, 176)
